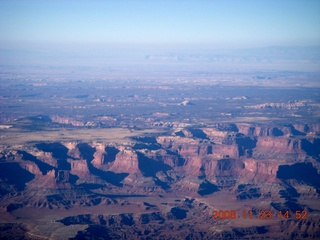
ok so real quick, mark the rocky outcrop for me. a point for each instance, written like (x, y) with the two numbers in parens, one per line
(126, 160)
(278, 131)
(278, 148)
(73, 150)
(79, 167)
(99, 155)
(67, 120)
(287, 105)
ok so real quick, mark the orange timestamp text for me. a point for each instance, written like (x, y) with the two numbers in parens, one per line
(262, 214)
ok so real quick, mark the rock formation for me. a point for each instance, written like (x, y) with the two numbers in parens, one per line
(275, 164)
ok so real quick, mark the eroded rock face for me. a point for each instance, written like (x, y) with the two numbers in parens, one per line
(126, 160)
(224, 155)
(278, 164)
(278, 148)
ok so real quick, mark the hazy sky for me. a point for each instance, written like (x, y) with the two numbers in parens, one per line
(209, 24)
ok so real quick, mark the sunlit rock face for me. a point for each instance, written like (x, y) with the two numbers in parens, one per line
(224, 155)
(277, 165)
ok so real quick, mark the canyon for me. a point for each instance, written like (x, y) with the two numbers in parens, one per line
(166, 184)
(180, 155)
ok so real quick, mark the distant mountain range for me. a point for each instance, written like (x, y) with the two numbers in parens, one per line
(294, 57)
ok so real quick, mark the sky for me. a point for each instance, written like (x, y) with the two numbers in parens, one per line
(175, 23)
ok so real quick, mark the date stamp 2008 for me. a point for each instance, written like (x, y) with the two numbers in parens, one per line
(262, 214)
